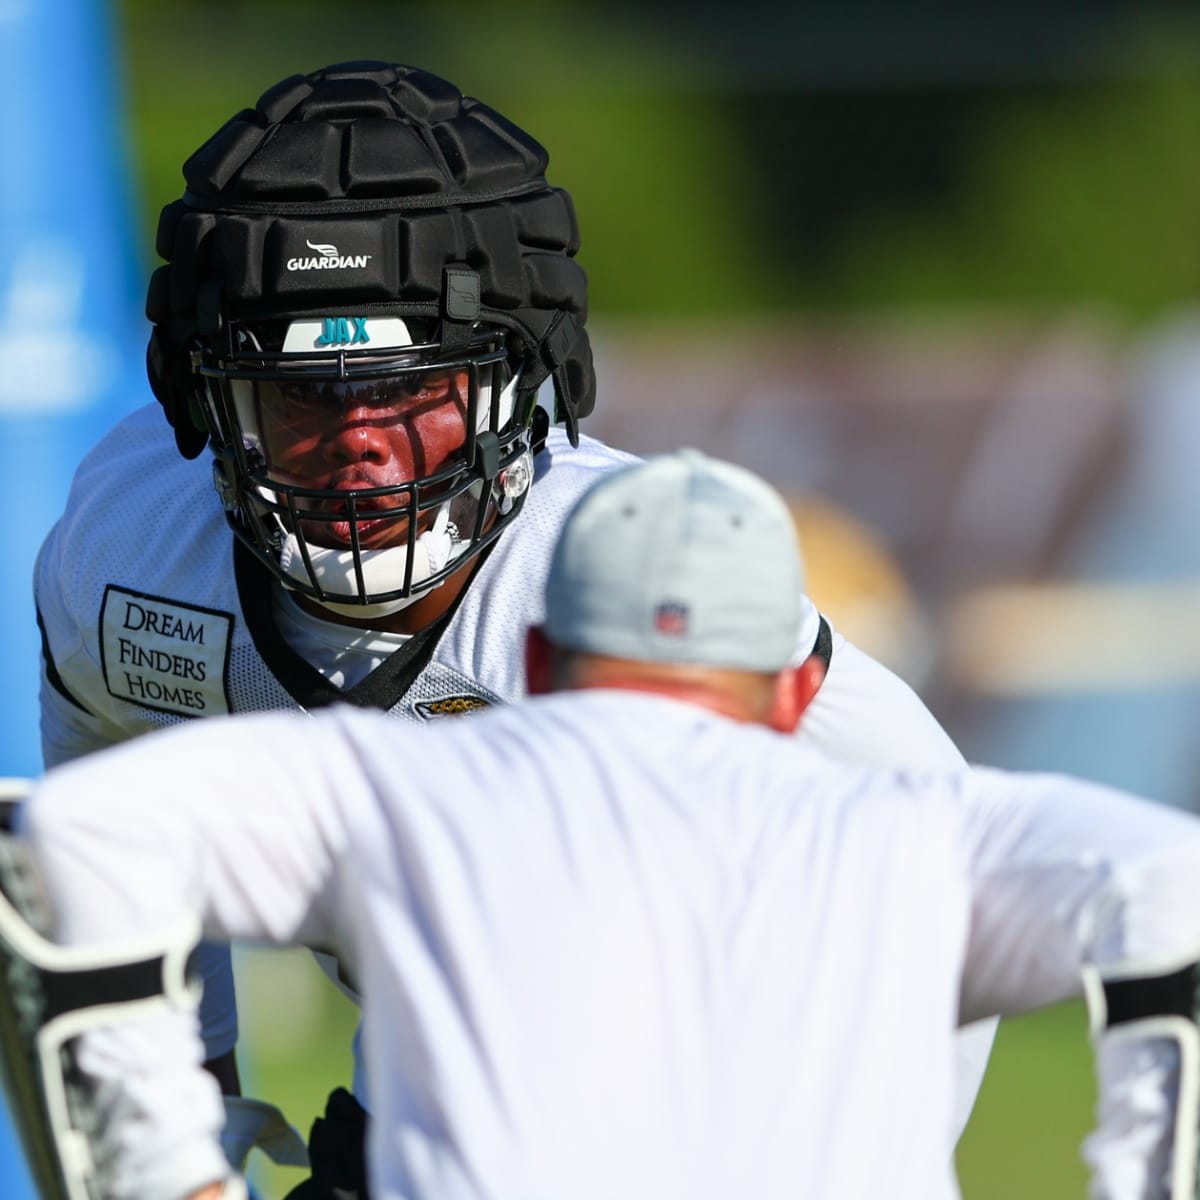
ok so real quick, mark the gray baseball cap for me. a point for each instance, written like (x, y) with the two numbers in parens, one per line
(679, 559)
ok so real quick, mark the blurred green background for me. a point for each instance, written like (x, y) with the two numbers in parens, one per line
(740, 157)
(739, 161)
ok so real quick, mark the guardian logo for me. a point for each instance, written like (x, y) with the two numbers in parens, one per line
(329, 259)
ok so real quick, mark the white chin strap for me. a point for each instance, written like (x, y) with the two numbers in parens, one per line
(382, 570)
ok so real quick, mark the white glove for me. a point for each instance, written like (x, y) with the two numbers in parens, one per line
(250, 1123)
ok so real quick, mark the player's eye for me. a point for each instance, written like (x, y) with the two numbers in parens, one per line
(434, 386)
(306, 401)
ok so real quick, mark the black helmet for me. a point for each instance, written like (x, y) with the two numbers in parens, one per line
(362, 235)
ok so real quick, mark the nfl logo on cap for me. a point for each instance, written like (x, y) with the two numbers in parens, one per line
(671, 618)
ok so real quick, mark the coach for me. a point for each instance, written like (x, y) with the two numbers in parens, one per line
(625, 940)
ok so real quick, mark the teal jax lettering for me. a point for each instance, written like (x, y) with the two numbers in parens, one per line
(343, 331)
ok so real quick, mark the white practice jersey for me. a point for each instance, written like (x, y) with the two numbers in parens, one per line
(612, 945)
(145, 626)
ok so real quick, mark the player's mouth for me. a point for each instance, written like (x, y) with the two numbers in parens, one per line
(372, 530)
(380, 521)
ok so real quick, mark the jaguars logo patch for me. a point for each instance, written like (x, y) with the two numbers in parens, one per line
(451, 706)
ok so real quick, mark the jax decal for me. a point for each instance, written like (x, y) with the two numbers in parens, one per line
(343, 331)
(164, 655)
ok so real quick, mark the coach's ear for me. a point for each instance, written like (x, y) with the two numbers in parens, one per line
(795, 688)
(539, 662)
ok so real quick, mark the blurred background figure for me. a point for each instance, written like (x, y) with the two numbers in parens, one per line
(1099, 669)
(71, 332)
(929, 268)
(852, 573)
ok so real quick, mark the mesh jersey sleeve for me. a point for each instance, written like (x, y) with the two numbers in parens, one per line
(70, 729)
(138, 522)
(865, 714)
(71, 724)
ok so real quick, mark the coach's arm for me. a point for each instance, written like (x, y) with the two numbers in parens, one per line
(117, 861)
(1082, 890)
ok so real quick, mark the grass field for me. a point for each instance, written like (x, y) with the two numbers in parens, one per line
(1023, 1141)
(1036, 1106)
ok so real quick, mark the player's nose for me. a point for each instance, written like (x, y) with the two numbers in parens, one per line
(361, 436)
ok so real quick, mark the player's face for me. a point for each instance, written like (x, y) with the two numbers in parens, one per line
(351, 436)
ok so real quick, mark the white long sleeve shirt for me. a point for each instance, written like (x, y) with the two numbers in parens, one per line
(611, 945)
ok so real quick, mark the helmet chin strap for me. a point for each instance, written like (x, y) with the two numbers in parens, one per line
(382, 570)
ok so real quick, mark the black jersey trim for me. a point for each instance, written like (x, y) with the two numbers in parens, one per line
(382, 689)
(299, 679)
(823, 646)
(52, 676)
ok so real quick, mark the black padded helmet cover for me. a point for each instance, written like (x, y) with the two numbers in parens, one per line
(376, 187)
